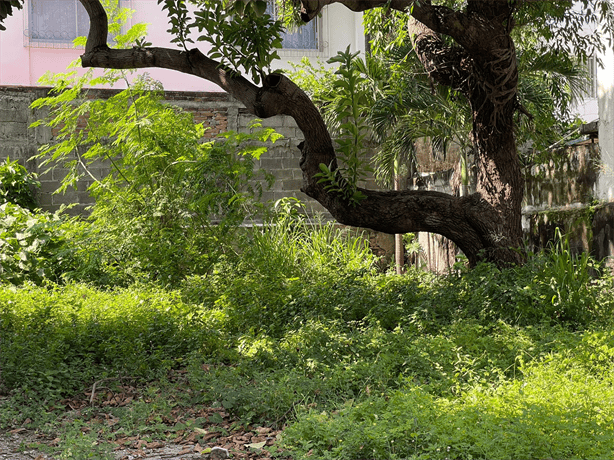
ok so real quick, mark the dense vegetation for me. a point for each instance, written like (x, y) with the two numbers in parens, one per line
(163, 294)
(295, 326)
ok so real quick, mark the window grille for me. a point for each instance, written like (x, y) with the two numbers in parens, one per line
(306, 37)
(57, 21)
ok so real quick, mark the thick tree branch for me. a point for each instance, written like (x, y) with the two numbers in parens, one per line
(471, 222)
(446, 65)
(99, 25)
(192, 62)
(311, 8)
(467, 28)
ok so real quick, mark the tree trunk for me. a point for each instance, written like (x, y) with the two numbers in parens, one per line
(500, 182)
(484, 69)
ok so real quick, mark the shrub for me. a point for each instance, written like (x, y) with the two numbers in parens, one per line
(172, 203)
(34, 245)
(555, 412)
(17, 185)
(55, 340)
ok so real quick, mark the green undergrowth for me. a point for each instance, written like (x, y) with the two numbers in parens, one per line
(354, 363)
(298, 330)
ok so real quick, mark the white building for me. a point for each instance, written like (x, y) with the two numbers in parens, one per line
(605, 94)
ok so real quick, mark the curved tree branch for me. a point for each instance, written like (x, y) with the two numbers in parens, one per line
(99, 25)
(446, 65)
(192, 62)
(470, 221)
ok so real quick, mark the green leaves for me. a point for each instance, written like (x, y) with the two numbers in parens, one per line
(580, 29)
(166, 197)
(17, 185)
(32, 245)
(242, 36)
(179, 21)
(345, 102)
(336, 183)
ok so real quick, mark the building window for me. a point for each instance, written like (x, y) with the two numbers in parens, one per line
(57, 21)
(591, 90)
(306, 37)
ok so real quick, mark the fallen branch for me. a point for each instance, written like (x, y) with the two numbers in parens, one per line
(93, 395)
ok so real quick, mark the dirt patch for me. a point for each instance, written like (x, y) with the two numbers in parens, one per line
(193, 432)
(14, 446)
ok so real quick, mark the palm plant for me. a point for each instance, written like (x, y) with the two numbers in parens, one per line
(411, 108)
(550, 86)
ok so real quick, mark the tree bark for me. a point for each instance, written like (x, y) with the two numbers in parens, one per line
(483, 225)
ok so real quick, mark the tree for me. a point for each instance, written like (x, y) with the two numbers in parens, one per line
(404, 109)
(467, 46)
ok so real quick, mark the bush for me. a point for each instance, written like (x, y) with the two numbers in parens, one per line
(285, 272)
(17, 185)
(555, 411)
(34, 246)
(301, 332)
(171, 205)
(55, 340)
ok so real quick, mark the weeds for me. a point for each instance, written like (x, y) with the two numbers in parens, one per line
(351, 362)
(290, 325)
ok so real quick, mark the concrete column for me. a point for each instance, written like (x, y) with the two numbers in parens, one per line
(605, 182)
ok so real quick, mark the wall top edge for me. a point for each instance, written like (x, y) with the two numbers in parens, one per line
(108, 92)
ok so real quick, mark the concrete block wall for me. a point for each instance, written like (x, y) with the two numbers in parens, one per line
(20, 142)
(569, 179)
(217, 111)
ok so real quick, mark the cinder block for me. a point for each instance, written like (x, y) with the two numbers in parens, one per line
(288, 133)
(272, 122)
(290, 163)
(48, 187)
(85, 198)
(267, 196)
(270, 164)
(284, 174)
(292, 185)
(13, 130)
(65, 198)
(44, 200)
(278, 151)
(58, 173)
(12, 151)
(16, 114)
(278, 186)
(288, 122)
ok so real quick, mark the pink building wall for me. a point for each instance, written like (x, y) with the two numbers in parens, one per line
(22, 63)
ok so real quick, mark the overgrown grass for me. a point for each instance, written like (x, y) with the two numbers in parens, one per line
(302, 332)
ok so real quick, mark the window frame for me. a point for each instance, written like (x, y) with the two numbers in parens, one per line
(48, 42)
(592, 90)
(60, 43)
(321, 24)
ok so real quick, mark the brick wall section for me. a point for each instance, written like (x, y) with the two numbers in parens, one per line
(217, 111)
